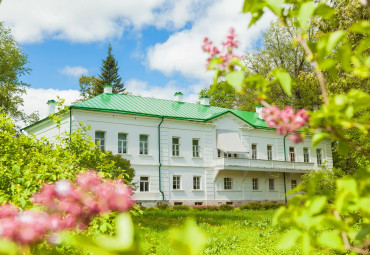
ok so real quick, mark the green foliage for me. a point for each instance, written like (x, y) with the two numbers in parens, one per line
(226, 207)
(162, 206)
(252, 206)
(12, 66)
(180, 208)
(221, 94)
(206, 208)
(26, 163)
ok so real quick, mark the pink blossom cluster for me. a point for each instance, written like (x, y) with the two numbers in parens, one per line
(226, 54)
(67, 206)
(286, 121)
(28, 226)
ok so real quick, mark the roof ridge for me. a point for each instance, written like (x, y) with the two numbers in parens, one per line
(169, 100)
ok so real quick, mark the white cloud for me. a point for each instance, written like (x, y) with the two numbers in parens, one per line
(36, 99)
(142, 88)
(93, 20)
(75, 71)
(182, 51)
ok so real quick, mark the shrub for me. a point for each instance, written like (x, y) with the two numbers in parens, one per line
(252, 206)
(180, 208)
(207, 208)
(225, 207)
(151, 209)
(271, 205)
(162, 206)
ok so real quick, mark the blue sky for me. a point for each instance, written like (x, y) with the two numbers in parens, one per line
(157, 43)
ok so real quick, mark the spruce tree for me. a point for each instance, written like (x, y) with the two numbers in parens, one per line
(109, 75)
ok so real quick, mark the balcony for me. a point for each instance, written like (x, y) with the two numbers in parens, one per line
(263, 165)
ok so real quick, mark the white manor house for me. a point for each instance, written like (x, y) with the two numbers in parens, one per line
(192, 154)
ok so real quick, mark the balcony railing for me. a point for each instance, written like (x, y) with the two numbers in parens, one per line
(240, 163)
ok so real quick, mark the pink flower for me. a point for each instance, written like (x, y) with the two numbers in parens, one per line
(8, 210)
(286, 121)
(226, 54)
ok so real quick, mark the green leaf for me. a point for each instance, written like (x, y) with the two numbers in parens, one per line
(214, 62)
(334, 39)
(8, 248)
(365, 204)
(361, 27)
(332, 240)
(305, 13)
(324, 11)
(275, 6)
(343, 148)
(235, 79)
(189, 240)
(318, 137)
(306, 244)
(284, 79)
(317, 205)
(255, 7)
(288, 239)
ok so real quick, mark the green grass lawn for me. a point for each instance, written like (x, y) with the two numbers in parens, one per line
(228, 232)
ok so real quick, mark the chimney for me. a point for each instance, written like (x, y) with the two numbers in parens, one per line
(259, 109)
(204, 100)
(178, 96)
(52, 106)
(108, 88)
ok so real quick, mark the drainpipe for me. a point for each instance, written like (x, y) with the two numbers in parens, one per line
(159, 157)
(284, 172)
(70, 124)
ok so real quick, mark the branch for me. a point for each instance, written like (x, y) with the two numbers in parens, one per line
(347, 245)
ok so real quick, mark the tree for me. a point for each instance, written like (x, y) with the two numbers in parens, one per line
(12, 67)
(109, 74)
(91, 86)
(220, 94)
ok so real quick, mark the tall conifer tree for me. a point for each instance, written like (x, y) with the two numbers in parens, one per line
(109, 74)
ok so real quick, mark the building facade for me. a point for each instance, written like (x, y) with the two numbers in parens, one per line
(193, 154)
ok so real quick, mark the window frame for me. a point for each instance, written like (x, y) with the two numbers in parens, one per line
(319, 160)
(146, 184)
(197, 182)
(306, 156)
(293, 185)
(144, 145)
(228, 183)
(269, 152)
(175, 147)
(195, 148)
(271, 184)
(254, 151)
(123, 142)
(255, 184)
(176, 182)
(101, 145)
(292, 156)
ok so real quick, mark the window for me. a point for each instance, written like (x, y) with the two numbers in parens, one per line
(319, 156)
(198, 203)
(271, 184)
(293, 183)
(227, 183)
(229, 203)
(306, 156)
(122, 143)
(269, 152)
(100, 139)
(196, 182)
(176, 182)
(292, 154)
(254, 151)
(144, 183)
(144, 144)
(196, 148)
(177, 203)
(175, 146)
(218, 153)
(255, 184)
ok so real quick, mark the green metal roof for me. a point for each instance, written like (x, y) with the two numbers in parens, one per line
(154, 107)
